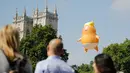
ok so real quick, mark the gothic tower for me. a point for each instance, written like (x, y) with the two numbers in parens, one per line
(25, 23)
(46, 17)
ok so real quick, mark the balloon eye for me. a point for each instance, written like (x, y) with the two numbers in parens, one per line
(86, 28)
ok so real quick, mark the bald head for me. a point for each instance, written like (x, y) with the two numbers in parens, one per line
(55, 46)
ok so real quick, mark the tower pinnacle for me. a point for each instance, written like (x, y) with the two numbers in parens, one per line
(16, 12)
(55, 10)
(16, 15)
(46, 5)
(33, 11)
(24, 13)
(37, 8)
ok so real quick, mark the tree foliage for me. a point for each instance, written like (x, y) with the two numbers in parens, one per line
(120, 54)
(84, 68)
(34, 44)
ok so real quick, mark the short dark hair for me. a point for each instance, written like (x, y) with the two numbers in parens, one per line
(105, 63)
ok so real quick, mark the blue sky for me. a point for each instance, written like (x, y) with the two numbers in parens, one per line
(111, 17)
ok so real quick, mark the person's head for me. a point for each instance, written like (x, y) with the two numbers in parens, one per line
(55, 47)
(103, 64)
(10, 40)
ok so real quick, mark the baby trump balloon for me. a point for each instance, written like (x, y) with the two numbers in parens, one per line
(89, 38)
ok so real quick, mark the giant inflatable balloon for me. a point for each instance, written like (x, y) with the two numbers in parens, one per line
(89, 38)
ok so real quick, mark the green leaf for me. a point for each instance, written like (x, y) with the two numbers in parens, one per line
(34, 44)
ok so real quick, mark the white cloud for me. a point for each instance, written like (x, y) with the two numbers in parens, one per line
(121, 5)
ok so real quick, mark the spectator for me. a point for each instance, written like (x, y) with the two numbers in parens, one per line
(103, 64)
(53, 64)
(11, 60)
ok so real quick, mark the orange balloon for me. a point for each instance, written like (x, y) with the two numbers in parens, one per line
(89, 38)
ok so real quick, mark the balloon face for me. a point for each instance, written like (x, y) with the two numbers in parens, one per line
(89, 38)
(86, 28)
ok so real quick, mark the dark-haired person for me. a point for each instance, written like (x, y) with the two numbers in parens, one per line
(103, 64)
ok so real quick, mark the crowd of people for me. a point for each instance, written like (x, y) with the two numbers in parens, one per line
(12, 61)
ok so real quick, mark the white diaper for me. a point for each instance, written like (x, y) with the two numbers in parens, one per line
(90, 45)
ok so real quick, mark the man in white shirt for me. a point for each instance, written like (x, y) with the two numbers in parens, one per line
(53, 64)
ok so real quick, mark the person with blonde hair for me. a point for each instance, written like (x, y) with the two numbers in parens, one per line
(9, 45)
(4, 65)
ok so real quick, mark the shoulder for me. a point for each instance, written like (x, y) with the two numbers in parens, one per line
(3, 62)
(2, 53)
(65, 67)
(3, 58)
(42, 64)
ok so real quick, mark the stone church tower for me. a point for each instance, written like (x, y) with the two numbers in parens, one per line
(25, 23)
(45, 18)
